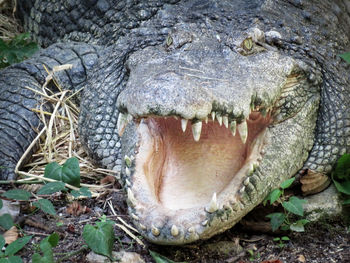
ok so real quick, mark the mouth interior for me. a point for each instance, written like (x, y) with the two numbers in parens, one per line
(182, 173)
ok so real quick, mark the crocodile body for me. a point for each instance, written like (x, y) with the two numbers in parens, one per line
(203, 106)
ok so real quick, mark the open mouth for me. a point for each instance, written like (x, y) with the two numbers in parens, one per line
(182, 166)
(185, 169)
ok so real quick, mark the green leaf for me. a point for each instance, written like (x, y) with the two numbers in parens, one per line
(298, 226)
(285, 238)
(2, 242)
(53, 239)
(284, 227)
(346, 202)
(6, 221)
(276, 239)
(16, 50)
(36, 258)
(17, 194)
(277, 220)
(68, 173)
(17, 245)
(294, 205)
(15, 259)
(100, 238)
(345, 56)
(45, 205)
(84, 191)
(343, 187)
(275, 195)
(161, 259)
(3, 260)
(342, 169)
(46, 248)
(51, 188)
(287, 183)
(1, 204)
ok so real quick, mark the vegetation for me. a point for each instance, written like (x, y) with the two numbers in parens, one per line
(17, 49)
(341, 177)
(292, 206)
(99, 237)
(346, 56)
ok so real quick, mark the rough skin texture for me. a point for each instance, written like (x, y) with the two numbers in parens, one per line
(107, 43)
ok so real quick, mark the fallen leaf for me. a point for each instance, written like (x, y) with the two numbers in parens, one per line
(109, 179)
(272, 261)
(301, 258)
(71, 228)
(77, 209)
(11, 235)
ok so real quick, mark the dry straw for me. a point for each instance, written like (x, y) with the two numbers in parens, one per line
(58, 139)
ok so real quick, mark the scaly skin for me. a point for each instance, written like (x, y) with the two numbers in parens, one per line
(189, 59)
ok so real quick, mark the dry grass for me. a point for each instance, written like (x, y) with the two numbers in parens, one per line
(9, 25)
(59, 140)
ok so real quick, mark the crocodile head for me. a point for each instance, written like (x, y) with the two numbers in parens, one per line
(208, 132)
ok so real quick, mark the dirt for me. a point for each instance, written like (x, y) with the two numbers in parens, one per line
(322, 242)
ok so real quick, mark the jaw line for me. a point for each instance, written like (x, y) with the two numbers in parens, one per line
(164, 223)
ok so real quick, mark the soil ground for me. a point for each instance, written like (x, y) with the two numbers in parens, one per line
(322, 242)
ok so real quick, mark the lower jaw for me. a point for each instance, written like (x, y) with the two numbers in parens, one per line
(173, 219)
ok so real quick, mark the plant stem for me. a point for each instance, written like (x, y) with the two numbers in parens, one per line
(20, 182)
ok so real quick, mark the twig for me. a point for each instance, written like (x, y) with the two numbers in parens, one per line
(73, 253)
(125, 226)
(131, 234)
(19, 163)
(50, 114)
(36, 233)
(20, 182)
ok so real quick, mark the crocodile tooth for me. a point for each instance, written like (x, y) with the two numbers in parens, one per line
(131, 197)
(213, 205)
(155, 231)
(127, 171)
(219, 118)
(174, 231)
(243, 131)
(191, 229)
(251, 168)
(246, 181)
(135, 217)
(233, 126)
(213, 115)
(196, 130)
(176, 118)
(225, 121)
(184, 124)
(127, 182)
(206, 120)
(122, 122)
(143, 227)
(241, 191)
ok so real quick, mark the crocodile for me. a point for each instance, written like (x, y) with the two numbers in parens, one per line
(203, 106)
